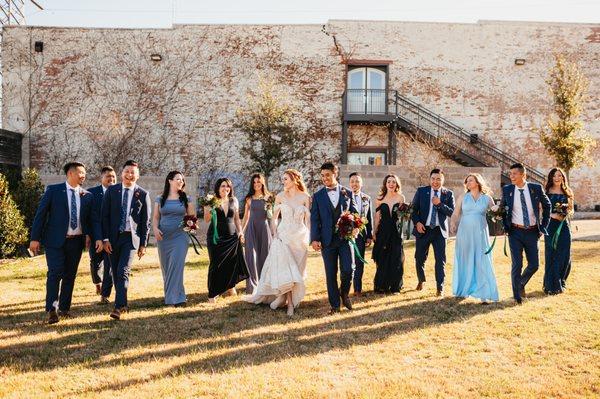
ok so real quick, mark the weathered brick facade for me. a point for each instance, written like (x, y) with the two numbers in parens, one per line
(91, 89)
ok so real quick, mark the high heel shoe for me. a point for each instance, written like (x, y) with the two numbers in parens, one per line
(277, 302)
(290, 311)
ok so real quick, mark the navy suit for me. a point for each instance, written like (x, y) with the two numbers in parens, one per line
(361, 241)
(50, 227)
(124, 244)
(98, 261)
(437, 236)
(525, 240)
(334, 249)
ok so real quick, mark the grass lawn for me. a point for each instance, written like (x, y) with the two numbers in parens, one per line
(408, 345)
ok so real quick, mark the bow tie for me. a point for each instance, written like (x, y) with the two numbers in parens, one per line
(331, 189)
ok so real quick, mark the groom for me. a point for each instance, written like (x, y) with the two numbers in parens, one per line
(327, 206)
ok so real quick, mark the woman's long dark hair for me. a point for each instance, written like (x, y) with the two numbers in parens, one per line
(383, 190)
(265, 190)
(218, 185)
(564, 185)
(182, 195)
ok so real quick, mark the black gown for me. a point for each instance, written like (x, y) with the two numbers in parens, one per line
(227, 265)
(388, 252)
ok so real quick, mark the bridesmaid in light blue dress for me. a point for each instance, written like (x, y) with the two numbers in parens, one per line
(473, 273)
(172, 241)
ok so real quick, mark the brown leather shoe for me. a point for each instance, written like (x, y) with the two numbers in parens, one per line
(419, 286)
(64, 313)
(522, 292)
(358, 294)
(334, 310)
(98, 289)
(346, 301)
(116, 313)
(104, 300)
(439, 293)
(52, 317)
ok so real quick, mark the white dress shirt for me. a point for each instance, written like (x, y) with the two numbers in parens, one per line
(517, 210)
(78, 230)
(130, 197)
(334, 195)
(437, 218)
(104, 189)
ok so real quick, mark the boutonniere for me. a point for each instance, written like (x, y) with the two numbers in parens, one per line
(344, 193)
(82, 193)
(364, 199)
(137, 194)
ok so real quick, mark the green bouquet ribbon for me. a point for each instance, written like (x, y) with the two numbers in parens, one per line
(213, 219)
(357, 252)
(491, 246)
(557, 234)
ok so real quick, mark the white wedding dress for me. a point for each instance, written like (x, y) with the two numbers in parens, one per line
(285, 266)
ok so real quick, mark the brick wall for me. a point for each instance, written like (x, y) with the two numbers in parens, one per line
(84, 82)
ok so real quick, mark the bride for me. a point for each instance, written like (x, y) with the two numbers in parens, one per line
(282, 278)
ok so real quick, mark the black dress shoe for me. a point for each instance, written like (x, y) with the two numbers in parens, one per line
(522, 292)
(519, 301)
(346, 301)
(419, 286)
(334, 310)
(52, 317)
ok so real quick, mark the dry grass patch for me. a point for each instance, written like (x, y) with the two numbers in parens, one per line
(409, 345)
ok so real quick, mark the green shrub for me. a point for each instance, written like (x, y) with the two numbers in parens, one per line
(13, 232)
(28, 194)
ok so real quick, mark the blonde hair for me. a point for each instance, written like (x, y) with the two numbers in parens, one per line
(296, 178)
(483, 186)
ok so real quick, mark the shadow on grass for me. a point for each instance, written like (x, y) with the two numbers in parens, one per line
(228, 328)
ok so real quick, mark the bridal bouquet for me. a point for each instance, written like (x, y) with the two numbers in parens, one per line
(349, 226)
(495, 214)
(211, 201)
(270, 206)
(189, 225)
(403, 212)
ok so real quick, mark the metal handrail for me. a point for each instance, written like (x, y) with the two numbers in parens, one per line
(460, 133)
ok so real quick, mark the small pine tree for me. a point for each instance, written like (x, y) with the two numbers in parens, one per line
(272, 137)
(28, 194)
(13, 232)
(563, 135)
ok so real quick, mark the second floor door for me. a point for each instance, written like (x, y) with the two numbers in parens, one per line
(366, 91)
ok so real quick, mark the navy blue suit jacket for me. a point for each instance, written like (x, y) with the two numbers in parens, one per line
(321, 216)
(422, 202)
(539, 199)
(140, 215)
(98, 194)
(51, 221)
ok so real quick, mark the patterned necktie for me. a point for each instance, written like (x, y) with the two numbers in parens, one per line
(73, 210)
(124, 211)
(524, 208)
(433, 221)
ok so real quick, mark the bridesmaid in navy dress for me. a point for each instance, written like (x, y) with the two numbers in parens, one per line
(257, 234)
(558, 260)
(171, 240)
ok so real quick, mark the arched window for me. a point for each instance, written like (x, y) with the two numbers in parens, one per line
(366, 91)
